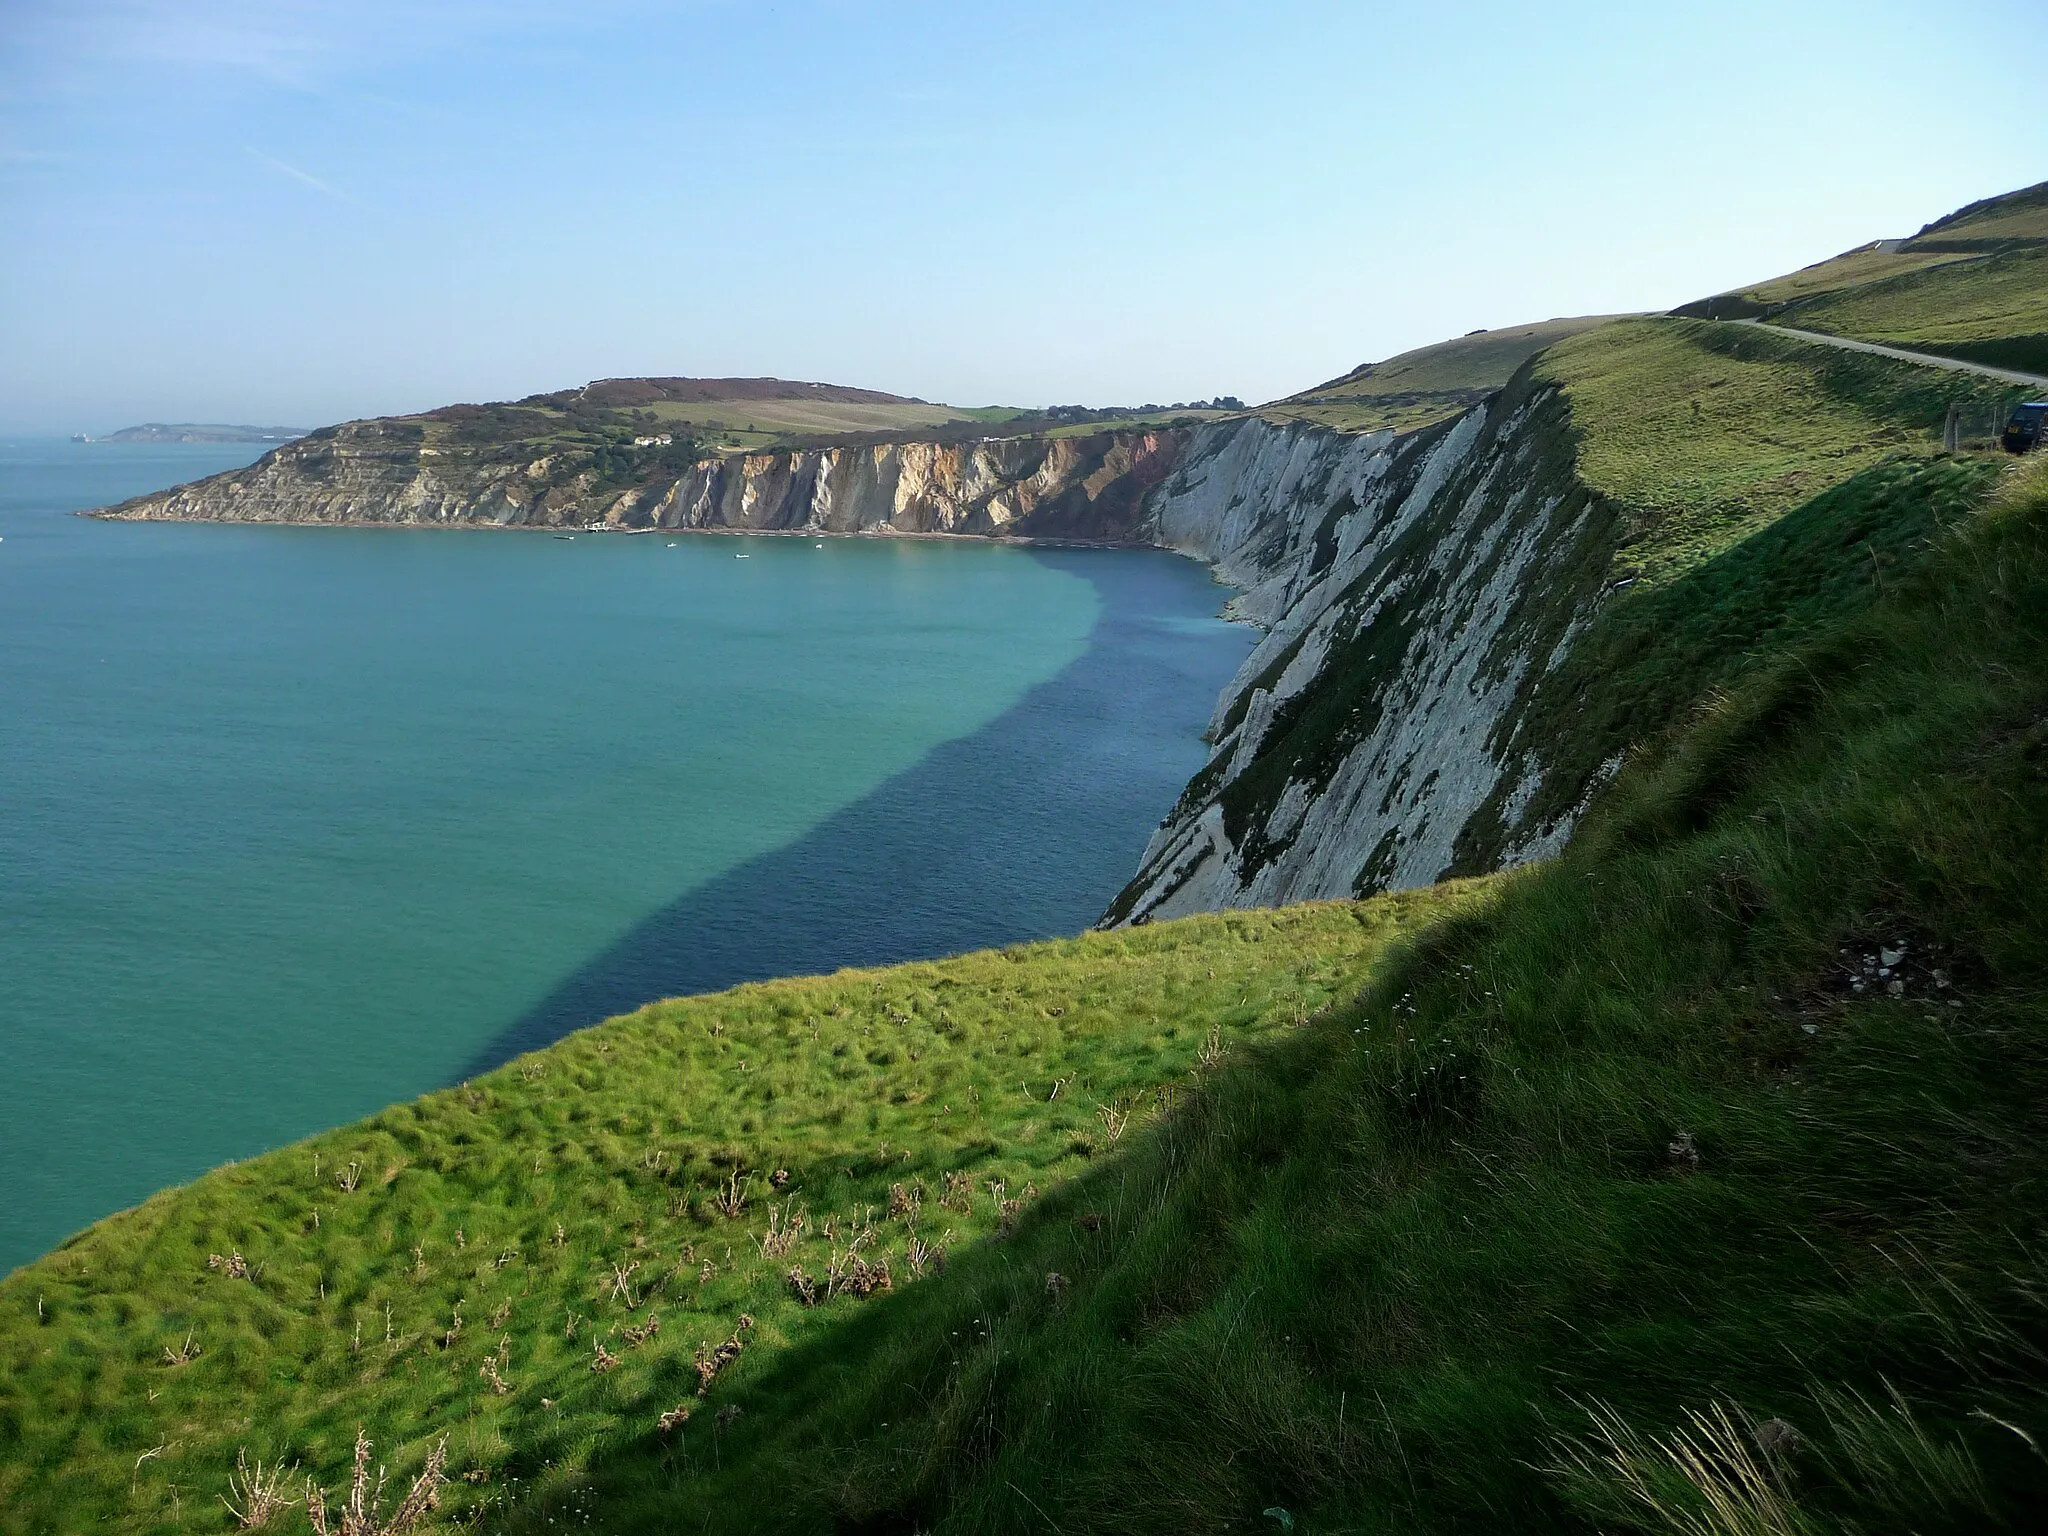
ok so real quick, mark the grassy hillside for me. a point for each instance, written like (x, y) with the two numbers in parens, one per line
(1992, 309)
(1703, 432)
(459, 1265)
(1429, 384)
(2020, 217)
(1755, 490)
(1972, 285)
(1704, 1165)
(1868, 263)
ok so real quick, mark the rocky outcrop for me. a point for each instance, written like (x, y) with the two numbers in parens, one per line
(1416, 591)
(1088, 487)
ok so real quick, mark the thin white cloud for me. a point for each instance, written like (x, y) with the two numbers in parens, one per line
(298, 175)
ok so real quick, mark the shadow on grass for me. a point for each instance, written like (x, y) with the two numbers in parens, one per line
(1022, 830)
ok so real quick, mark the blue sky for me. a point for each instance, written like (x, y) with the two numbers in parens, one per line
(296, 212)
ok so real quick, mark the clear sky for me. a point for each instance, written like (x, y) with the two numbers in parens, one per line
(295, 211)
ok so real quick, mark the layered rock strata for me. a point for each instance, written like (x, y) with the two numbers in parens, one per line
(1088, 487)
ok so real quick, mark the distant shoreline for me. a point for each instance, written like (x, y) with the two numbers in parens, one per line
(109, 515)
(196, 432)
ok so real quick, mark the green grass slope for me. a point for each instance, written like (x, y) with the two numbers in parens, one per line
(458, 1266)
(1694, 1183)
(1992, 310)
(1702, 432)
(1973, 285)
(1753, 489)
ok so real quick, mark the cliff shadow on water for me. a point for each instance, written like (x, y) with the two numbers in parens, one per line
(1076, 774)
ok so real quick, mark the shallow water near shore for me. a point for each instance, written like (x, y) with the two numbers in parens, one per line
(296, 822)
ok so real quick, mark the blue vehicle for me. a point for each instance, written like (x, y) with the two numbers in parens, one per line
(2023, 429)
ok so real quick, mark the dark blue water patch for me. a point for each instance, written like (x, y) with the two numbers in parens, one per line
(1023, 830)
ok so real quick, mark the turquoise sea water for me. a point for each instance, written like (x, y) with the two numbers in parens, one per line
(297, 822)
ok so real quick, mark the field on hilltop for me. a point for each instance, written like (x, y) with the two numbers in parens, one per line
(714, 414)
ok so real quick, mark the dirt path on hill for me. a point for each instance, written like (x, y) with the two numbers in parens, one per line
(1955, 364)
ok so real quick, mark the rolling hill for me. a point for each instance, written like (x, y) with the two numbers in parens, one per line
(1972, 285)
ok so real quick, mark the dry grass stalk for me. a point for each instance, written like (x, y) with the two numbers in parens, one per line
(1708, 1478)
(674, 1419)
(959, 1193)
(1114, 1121)
(787, 1224)
(255, 1494)
(854, 1274)
(904, 1201)
(711, 1361)
(621, 1273)
(803, 1285)
(1210, 1052)
(923, 1256)
(362, 1511)
(603, 1360)
(1008, 1211)
(181, 1354)
(350, 1176)
(635, 1337)
(731, 1201)
(233, 1265)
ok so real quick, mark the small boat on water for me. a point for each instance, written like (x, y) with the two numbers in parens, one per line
(566, 538)
(743, 557)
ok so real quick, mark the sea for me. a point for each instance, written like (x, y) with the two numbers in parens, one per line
(298, 822)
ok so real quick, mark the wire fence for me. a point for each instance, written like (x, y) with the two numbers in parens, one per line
(1975, 425)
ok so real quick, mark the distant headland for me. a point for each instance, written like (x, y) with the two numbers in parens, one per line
(195, 432)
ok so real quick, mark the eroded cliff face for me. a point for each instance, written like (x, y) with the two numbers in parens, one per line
(1085, 488)
(1416, 591)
